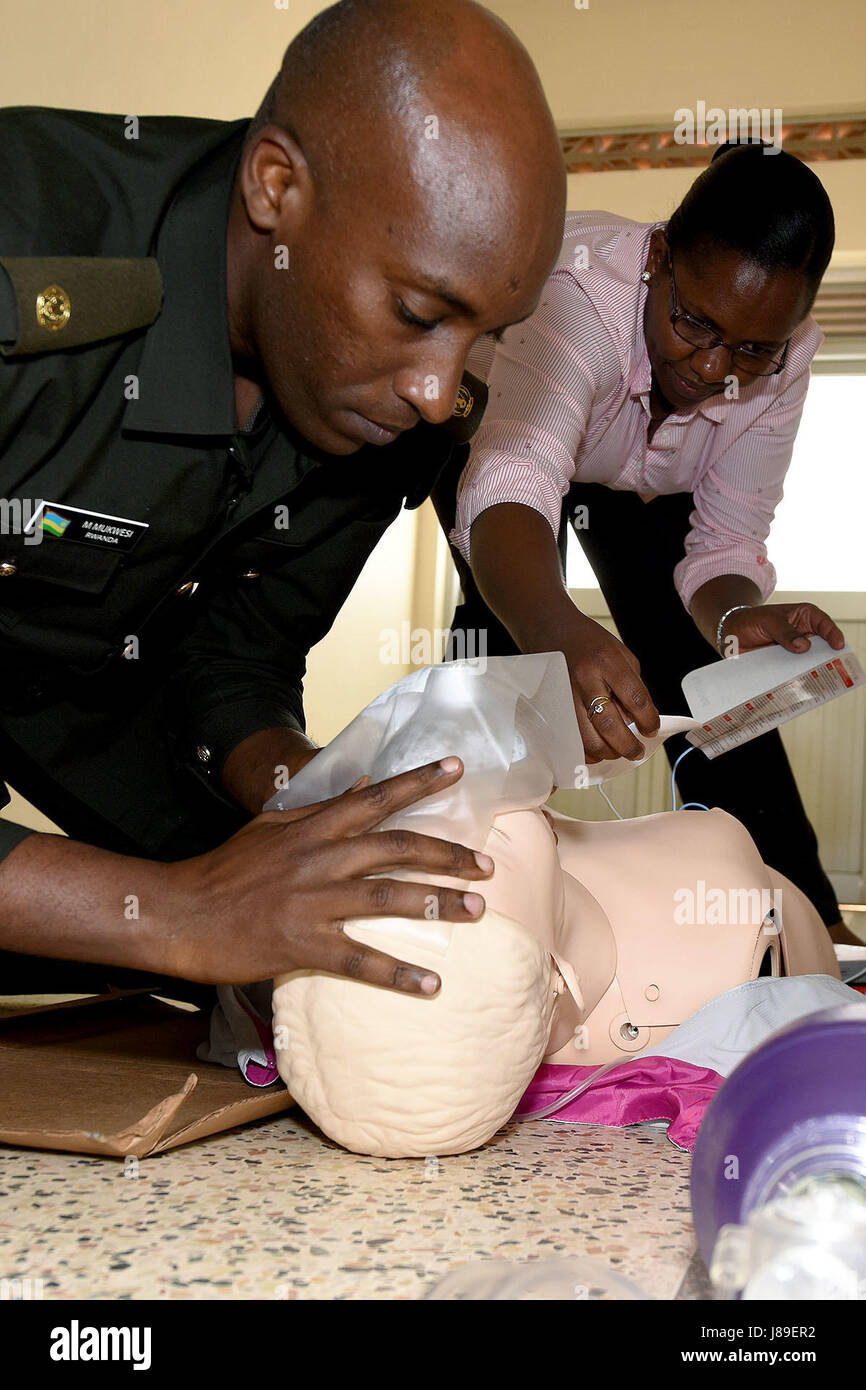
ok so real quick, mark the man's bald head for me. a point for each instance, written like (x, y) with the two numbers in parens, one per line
(406, 157)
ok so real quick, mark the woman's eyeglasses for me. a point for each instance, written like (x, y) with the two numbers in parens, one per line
(756, 361)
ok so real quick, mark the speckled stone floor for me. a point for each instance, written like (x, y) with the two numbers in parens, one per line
(274, 1211)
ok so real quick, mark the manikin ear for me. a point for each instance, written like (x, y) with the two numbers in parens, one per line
(275, 180)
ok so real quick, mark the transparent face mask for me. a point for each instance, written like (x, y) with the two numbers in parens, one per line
(510, 720)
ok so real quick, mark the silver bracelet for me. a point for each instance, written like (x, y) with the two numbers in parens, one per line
(722, 620)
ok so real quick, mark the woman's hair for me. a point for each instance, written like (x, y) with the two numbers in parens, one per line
(769, 207)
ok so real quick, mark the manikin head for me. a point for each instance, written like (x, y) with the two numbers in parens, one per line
(585, 955)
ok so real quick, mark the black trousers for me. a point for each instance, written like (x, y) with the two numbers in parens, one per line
(633, 547)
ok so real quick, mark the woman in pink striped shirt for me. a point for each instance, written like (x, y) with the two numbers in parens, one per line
(653, 398)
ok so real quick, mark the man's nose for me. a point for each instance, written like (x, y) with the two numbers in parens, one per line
(431, 386)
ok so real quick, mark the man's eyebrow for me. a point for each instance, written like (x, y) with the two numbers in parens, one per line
(443, 290)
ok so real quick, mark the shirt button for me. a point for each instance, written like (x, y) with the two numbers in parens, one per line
(663, 437)
(8, 567)
(203, 753)
(184, 590)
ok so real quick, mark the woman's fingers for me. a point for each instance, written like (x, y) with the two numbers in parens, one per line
(808, 617)
(787, 625)
(605, 734)
(635, 701)
(610, 726)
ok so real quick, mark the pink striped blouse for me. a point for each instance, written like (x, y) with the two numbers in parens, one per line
(569, 399)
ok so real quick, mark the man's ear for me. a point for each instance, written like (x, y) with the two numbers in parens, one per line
(275, 179)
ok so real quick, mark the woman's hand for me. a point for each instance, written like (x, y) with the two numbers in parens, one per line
(599, 665)
(788, 625)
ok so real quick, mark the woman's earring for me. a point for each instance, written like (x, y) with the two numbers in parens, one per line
(646, 276)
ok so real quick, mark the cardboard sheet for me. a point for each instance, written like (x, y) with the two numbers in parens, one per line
(117, 1075)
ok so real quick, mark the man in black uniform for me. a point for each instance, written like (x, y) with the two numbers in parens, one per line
(230, 354)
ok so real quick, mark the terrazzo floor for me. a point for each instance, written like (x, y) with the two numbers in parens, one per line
(275, 1211)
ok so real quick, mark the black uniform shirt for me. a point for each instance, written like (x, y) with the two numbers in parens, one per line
(133, 664)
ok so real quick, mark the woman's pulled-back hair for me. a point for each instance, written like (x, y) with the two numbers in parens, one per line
(769, 207)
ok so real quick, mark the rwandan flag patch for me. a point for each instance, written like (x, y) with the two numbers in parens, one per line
(86, 528)
(54, 522)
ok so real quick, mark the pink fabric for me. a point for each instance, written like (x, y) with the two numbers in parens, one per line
(650, 1088)
(254, 1072)
(569, 400)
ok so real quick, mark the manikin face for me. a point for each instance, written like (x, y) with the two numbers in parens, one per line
(395, 1075)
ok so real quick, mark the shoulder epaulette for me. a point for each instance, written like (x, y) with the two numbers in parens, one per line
(69, 301)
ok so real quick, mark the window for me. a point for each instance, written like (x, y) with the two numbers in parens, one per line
(818, 538)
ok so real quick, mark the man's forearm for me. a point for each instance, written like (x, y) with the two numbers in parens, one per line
(260, 764)
(714, 598)
(71, 901)
(516, 565)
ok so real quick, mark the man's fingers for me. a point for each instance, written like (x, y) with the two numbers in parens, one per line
(383, 850)
(389, 897)
(356, 961)
(367, 807)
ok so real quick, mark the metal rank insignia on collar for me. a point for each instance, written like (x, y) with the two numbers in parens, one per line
(465, 402)
(468, 408)
(53, 308)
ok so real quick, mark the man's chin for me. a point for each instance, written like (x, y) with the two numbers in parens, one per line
(337, 444)
(322, 437)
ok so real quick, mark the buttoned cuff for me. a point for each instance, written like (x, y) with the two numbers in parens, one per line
(217, 733)
(698, 569)
(506, 479)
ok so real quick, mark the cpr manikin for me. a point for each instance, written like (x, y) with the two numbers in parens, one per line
(599, 938)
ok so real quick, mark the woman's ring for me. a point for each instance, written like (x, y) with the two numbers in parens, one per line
(597, 705)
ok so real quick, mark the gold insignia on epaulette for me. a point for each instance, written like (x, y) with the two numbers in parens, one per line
(53, 308)
(465, 402)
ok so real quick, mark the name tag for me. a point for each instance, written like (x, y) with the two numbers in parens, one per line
(86, 528)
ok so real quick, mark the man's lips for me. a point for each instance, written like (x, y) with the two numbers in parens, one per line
(375, 433)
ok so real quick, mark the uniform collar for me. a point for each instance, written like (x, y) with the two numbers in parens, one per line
(186, 377)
